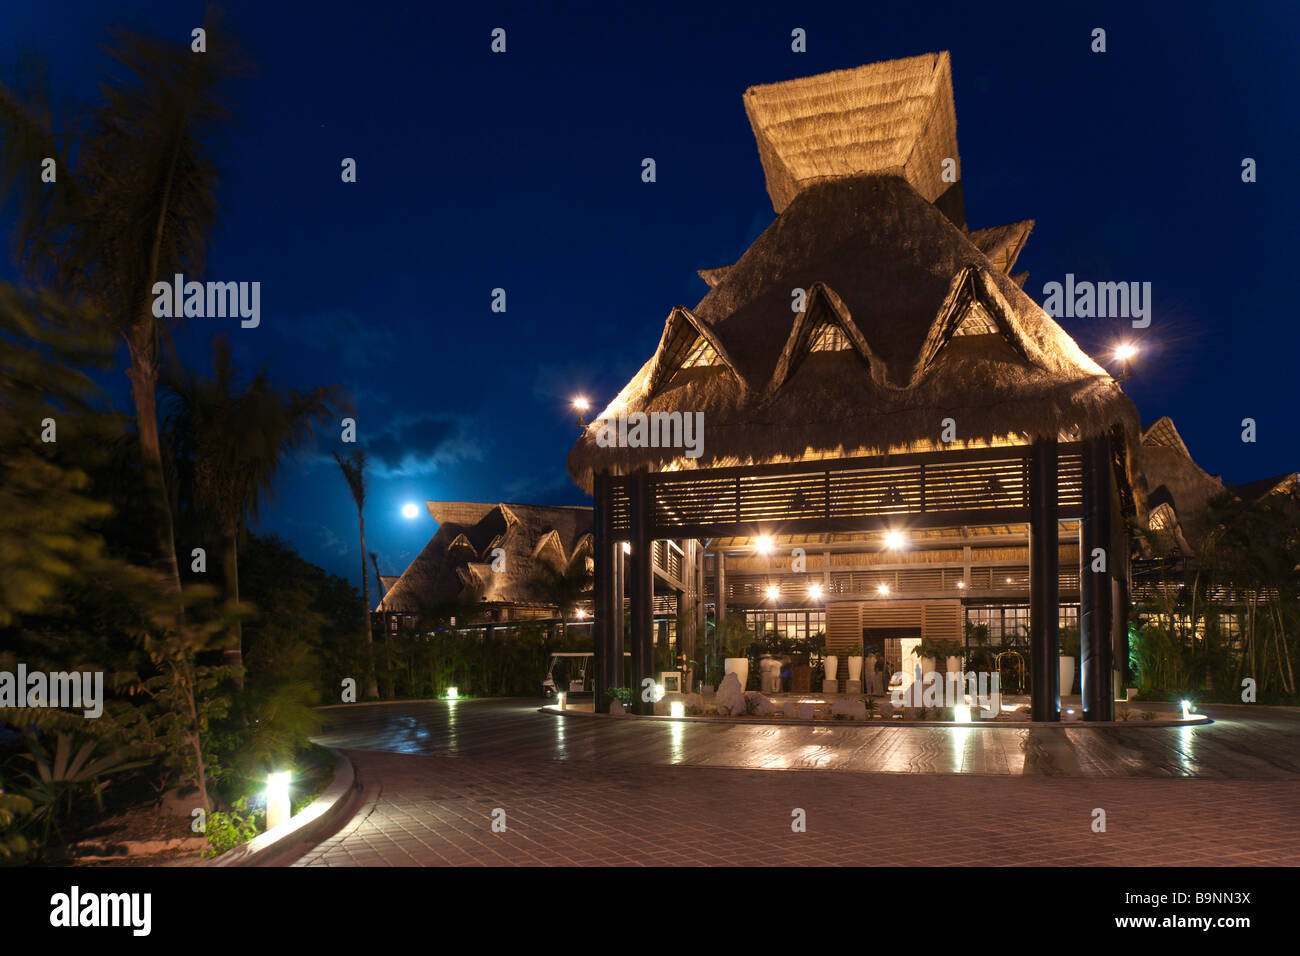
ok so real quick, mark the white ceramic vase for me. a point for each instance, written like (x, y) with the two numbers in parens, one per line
(738, 666)
(855, 668)
(1067, 675)
(831, 666)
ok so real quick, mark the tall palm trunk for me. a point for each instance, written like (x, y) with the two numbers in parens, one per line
(232, 655)
(372, 686)
(143, 374)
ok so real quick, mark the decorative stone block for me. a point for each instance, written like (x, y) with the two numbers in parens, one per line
(730, 699)
(805, 711)
(616, 708)
(830, 687)
(853, 687)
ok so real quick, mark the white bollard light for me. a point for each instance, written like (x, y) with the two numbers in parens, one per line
(277, 799)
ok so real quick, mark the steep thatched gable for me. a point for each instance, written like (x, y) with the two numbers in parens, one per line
(683, 332)
(1002, 245)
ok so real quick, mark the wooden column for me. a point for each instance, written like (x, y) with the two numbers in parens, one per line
(1095, 606)
(617, 642)
(602, 587)
(641, 571)
(1044, 582)
(720, 602)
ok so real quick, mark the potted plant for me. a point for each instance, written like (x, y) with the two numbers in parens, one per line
(736, 638)
(855, 662)
(1069, 640)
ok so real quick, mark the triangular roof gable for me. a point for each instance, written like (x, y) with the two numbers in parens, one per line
(970, 286)
(822, 306)
(1003, 244)
(1164, 433)
(891, 257)
(681, 331)
(550, 541)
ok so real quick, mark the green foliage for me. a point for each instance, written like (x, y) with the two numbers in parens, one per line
(736, 635)
(17, 814)
(227, 829)
(67, 774)
(1069, 641)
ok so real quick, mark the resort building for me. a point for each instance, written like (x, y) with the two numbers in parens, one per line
(895, 438)
(493, 563)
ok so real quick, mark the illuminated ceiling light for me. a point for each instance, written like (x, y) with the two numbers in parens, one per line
(895, 540)
(773, 592)
(580, 613)
(409, 510)
(1008, 580)
(815, 592)
(960, 585)
(883, 589)
(763, 544)
(627, 547)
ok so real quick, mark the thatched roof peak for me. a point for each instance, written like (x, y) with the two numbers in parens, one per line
(885, 267)
(892, 117)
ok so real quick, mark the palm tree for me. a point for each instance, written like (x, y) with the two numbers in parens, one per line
(354, 473)
(563, 584)
(230, 443)
(132, 204)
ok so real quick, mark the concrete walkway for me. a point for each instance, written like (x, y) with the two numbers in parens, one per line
(587, 791)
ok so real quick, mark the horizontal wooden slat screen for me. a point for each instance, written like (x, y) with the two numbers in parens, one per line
(843, 629)
(993, 488)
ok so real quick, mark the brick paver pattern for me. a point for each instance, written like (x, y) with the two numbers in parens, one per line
(578, 791)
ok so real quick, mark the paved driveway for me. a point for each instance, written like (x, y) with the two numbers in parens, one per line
(583, 791)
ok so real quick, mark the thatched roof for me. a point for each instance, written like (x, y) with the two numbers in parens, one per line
(457, 561)
(897, 278)
(1257, 490)
(1173, 477)
(1003, 244)
(893, 117)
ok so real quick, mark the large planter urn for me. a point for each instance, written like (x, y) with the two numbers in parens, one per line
(738, 666)
(1067, 675)
(855, 668)
(927, 666)
(831, 666)
(954, 665)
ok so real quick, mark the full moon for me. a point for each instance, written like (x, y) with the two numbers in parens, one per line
(409, 510)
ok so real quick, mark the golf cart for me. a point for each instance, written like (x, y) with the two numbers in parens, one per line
(571, 672)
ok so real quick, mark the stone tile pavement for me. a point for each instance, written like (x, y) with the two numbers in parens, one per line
(578, 791)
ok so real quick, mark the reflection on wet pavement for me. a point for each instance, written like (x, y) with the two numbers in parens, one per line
(1263, 743)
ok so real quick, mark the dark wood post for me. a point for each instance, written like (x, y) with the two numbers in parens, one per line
(1044, 582)
(602, 586)
(641, 569)
(617, 637)
(1095, 607)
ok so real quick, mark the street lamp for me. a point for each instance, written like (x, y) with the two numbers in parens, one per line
(581, 406)
(1124, 353)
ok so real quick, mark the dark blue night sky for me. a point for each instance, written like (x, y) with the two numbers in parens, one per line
(522, 171)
